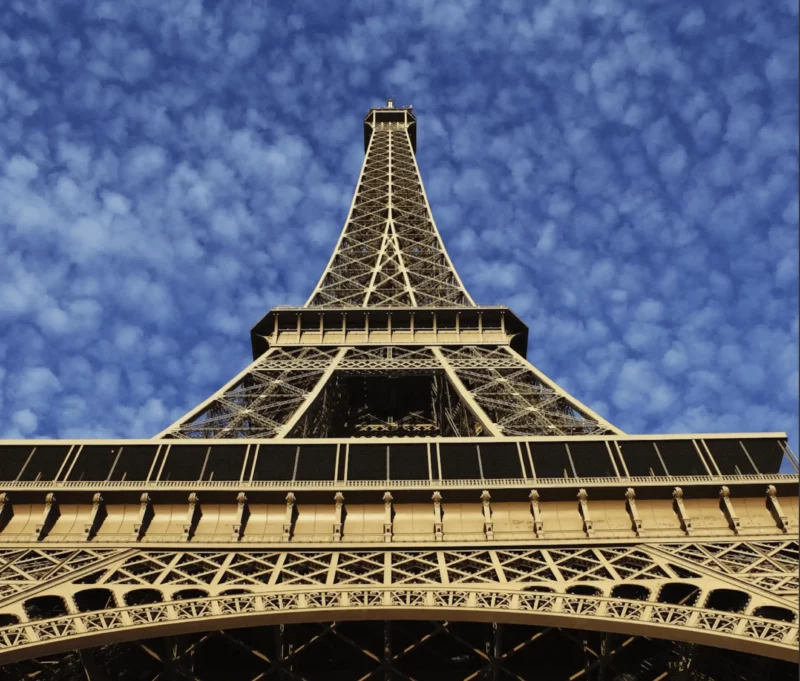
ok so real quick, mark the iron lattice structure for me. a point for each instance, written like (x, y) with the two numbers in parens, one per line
(390, 490)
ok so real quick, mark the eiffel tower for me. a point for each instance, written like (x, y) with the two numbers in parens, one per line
(390, 490)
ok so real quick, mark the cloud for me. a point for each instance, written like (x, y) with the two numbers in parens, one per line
(624, 179)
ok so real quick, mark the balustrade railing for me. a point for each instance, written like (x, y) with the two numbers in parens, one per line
(778, 634)
(671, 480)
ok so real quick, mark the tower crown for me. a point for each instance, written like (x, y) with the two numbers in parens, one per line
(393, 116)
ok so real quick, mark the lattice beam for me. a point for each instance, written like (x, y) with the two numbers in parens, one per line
(390, 253)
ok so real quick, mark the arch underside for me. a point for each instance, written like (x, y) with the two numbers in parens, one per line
(675, 622)
(433, 646)
(737, 596)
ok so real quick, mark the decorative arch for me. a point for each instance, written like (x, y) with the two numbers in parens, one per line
(679, 593)
(759, 636)
(92, 600)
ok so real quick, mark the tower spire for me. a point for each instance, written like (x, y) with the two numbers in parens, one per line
(390, 253)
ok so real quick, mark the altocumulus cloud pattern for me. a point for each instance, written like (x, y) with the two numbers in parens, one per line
(623, 174)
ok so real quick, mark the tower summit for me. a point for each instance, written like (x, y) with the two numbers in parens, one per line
(391, 490)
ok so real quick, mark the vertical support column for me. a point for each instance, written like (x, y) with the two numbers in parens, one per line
(387, 650)
(337, 516)
(630, 502)
(495, 653)
(96, 517)
(705, 463)
(438, 532)
(477, 411)
(621, 458)
(538, 524)
(288, 520)
(387, 517)
(611, 457)
(242, 513)
(309, 399)
(6, 510)
(280, 650)
(781, 519)
(680, 509)
(192, 517)
(145, 516)
(49, 517)
(583, 501)
(727, 508)
(488, 525)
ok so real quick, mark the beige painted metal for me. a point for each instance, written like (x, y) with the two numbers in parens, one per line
(465, 395)
(400, 258)
(524, 516)
(517, 550)
(781, 435)
(270, 397)
(312, 395)
(517, 585)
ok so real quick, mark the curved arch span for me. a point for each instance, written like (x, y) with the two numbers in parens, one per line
(759, 636)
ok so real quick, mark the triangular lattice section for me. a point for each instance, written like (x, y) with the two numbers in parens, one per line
(390, 253)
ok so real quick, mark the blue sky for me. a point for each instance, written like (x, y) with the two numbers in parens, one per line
(622, 174)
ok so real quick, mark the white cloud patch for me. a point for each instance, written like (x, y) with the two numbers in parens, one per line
(624, 179)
